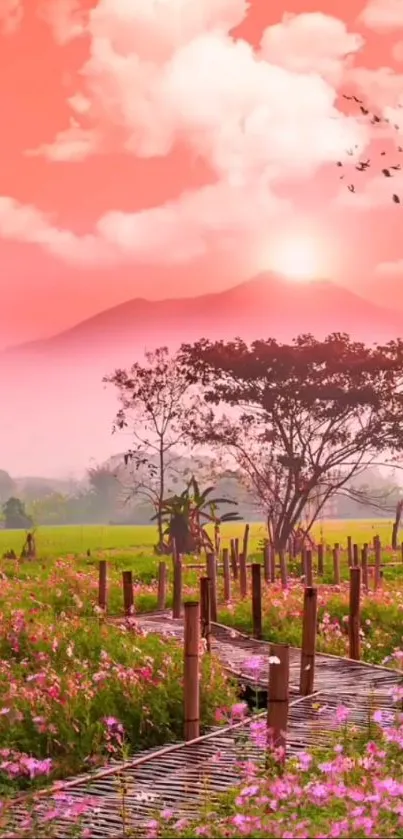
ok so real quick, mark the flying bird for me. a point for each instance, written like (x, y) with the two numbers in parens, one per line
(351, 187)
(396, 198)
(386, 173)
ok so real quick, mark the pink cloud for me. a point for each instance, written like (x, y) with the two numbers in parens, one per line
(382, 15)
(11, 15)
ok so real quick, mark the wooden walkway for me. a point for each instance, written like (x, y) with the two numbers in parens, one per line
(181, 777)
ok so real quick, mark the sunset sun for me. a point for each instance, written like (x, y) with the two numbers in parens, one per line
(296, 257)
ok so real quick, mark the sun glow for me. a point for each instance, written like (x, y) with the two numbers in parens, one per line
(296, 257)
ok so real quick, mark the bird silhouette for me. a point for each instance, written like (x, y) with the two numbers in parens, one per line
(386, 173)
(351, 187)
(396, 198)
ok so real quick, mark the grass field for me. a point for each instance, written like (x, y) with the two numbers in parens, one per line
(64, 541)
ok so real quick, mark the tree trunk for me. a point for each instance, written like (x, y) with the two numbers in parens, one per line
(161, 493)
(396, 525)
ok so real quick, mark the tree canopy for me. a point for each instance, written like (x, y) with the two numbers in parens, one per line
(304, 417)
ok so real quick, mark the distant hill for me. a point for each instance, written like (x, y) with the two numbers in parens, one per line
(56, 411)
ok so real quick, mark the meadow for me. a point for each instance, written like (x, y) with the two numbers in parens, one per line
(77, 690)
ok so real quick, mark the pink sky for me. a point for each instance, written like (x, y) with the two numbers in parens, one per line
(116, 115)
(164, 148)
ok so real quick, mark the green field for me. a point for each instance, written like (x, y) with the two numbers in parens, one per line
(64, 541)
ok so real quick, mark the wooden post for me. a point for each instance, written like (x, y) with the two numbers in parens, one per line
(234, 558)
(377, 569)
(177, 587)
(308, 641)
(128, 601)
(283, 569)
(303, 555)
(257, 600)
(205, 611)
(272, 555)
(245, 542)
(356, 560)
(336, 564)
(364, 566)
(102, 584)
(354, 613)
(401, 551)
(349, 551)
(321, 566)
(162, 583)
(226, 574)
(266, 562)
(277, 710)
(212, 575)
(191, 671)
(308, 569)
(243, 583)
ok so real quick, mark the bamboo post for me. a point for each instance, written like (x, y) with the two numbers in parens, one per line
(234, 562)
(308, 569)
(283, 569)
(349, 551)
(321, 566)
(246, 542)
(191, 671)
(266, 562)
(354, 613)
(102, 584)
(257, 600)
(377, 570)
(205, 611)
(227, 578)
(356, 561)
(128, 600)
(336, 564)
(243, 583)
(212, 575)
(277, 710)
(364, 566)
(307, 674)
(162, 582)
(177, 587)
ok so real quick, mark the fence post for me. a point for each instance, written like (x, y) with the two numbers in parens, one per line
(257, 600)
(102, 584)
(243, 583)
(308, 569)
(226, 574)
(162, 582)
(277, 709)
(401, 551)
(234, 563)
(212, 575)
(177, 587)
(272, 556)
(266, 562)
(364, 566)
(245, 542)
(321, 567)
(336, 564)
(191, 671)
(354, 613)
(377, 569)
(307, 674)
(205, 611)
(349, 551)
(128, 601)
(283, 568)
(356, 561)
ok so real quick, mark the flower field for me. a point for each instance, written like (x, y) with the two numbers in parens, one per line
(76, 690)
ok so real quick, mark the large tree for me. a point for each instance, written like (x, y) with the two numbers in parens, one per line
(154, 398)
(304, 418)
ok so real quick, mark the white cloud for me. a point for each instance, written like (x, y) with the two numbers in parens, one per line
(11, 15)
(217, 216)
(311, 42)
(73, 144)
(66, 19)
(382, 15)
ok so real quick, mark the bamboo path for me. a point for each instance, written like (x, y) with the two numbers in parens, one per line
(181, 778)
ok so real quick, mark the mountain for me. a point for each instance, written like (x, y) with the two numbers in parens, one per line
(55, 413)
(263, 306)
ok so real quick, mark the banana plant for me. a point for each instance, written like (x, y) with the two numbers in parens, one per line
(186, 516)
